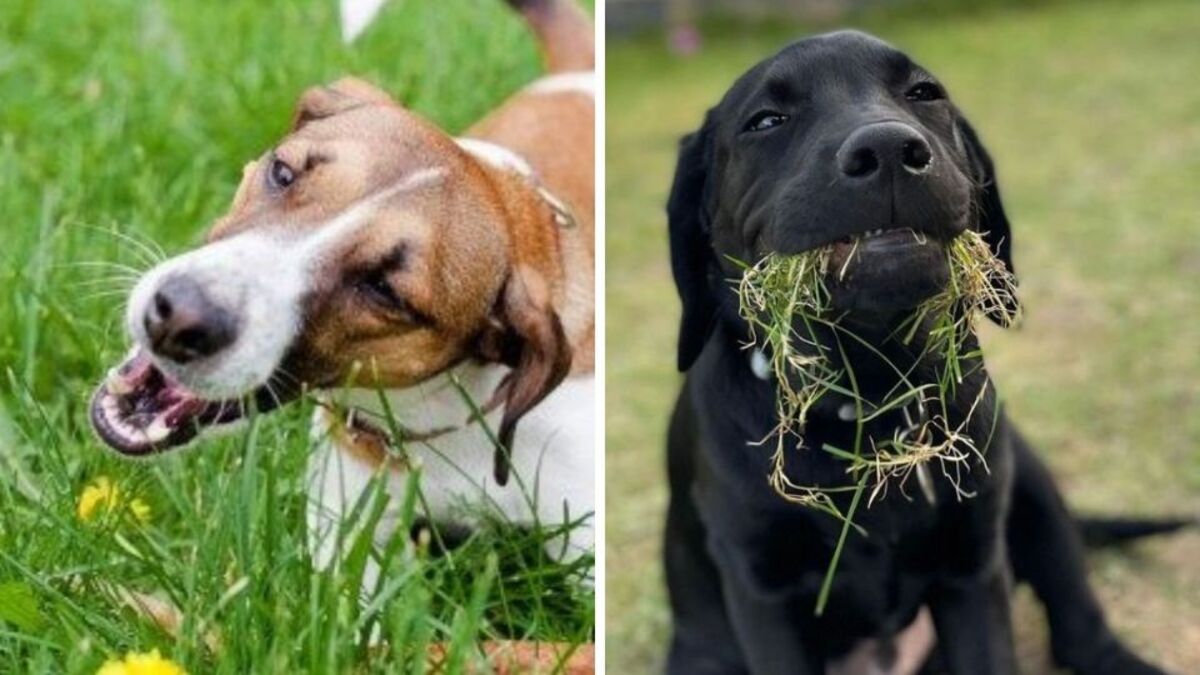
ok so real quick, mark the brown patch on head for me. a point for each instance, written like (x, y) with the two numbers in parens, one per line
(404, 292)
(347, 140)
(406, 297)
(326, 101)
(412, 256)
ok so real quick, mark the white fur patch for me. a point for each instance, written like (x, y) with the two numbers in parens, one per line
(759, 365)
(579, 82)
(262, 276)
(552, 468)
(847, 412)
(495, 155)
(356, 16)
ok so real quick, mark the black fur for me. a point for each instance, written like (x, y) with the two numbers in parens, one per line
(744, 566)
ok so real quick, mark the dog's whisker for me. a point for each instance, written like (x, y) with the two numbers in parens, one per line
(117, 293)
(270, 388)
(106, 264)
(123, 285)
(107, 292)
(117, 275)
(290, 380)
(146, 249)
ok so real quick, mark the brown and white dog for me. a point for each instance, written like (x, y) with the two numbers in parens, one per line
(403, 275)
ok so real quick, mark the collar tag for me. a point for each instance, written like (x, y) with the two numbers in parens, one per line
(759, 365)
(562, 214)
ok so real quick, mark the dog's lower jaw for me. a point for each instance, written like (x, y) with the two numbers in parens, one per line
(552, 461)
(874, 288)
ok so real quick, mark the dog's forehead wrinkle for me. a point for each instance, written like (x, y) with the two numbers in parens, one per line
(359, 214)
(826, 77)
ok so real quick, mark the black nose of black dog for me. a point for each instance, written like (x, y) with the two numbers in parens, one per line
(184, 325)
(882, 148)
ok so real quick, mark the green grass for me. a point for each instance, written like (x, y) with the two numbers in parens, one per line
(129, 121)
(1090, 110)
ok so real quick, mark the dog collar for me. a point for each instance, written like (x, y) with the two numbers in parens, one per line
(505, 159)
(915, 419)
(362, 430)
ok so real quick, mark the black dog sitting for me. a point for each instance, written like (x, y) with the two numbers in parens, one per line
(842, 136)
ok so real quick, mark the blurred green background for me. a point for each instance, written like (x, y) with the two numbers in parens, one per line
(1092, 112)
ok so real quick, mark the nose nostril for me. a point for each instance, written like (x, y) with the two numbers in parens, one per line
(162, 307)
(861, 162)
(916, 155)
(194, 341)
(184, 325)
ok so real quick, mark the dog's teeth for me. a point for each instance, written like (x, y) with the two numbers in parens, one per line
(116, 383)
(114, 419)
(132, 431)
(158, 431)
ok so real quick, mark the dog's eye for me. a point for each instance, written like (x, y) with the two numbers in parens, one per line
(765, 120)
(380, 291)
(280, 176)
(925, 91)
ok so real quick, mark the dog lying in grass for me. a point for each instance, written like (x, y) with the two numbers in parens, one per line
(818, 219)
(436, 293)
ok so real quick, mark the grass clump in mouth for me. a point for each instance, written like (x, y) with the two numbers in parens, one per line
(786, 299)
(979, 285)
(776, 296)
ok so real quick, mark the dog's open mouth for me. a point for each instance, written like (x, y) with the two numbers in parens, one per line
(887, 236)
(882, 240)
(139, 410)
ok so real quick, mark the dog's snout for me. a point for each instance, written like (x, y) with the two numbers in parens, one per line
(183, 324)
(884, 147)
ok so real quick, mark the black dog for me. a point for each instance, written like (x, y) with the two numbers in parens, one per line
(840, 136)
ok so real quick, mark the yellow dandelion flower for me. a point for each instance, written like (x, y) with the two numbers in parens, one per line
(151, 663)
(102, 496)
(100, 493)
(139, 509)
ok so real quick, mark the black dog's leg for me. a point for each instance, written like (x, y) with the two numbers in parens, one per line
(1047, 551)
(703, 640)
(766, 626)
(974, 625)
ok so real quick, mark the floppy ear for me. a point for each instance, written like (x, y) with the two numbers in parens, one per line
(692, 261)
(993, 223)
(328, 100)
(526, 335)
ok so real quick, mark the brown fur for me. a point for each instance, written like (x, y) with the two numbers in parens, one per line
(484, 269)
(565, 164)
(564, 32)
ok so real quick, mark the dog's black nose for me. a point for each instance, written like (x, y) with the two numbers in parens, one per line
(183, 325)
(884, 147)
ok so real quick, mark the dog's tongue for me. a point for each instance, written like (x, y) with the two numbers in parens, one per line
(139, 409)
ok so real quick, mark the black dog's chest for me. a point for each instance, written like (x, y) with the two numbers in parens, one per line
(788, 547)
(782, 550)
(880, 580)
